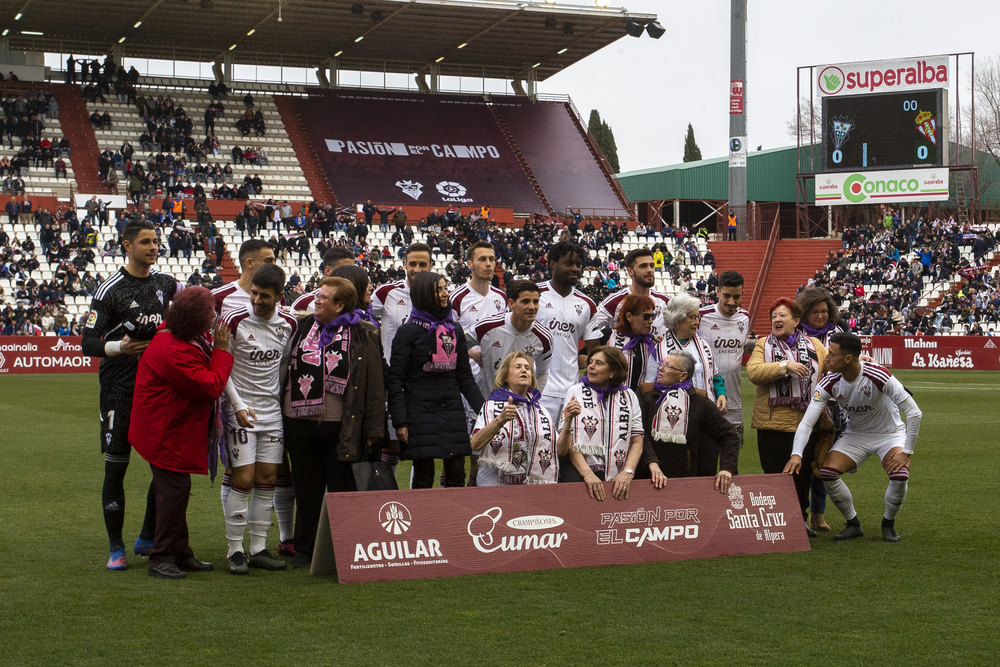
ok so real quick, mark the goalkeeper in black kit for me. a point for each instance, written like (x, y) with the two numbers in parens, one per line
(123, 317)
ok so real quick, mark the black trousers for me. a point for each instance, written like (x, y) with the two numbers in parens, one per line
(775, 448)
(312, 452)
(423, 472)
(172, 491)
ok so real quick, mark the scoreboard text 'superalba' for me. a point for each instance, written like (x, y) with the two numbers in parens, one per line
(885, 131)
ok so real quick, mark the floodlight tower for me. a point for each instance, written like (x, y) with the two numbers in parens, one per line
(737, 112)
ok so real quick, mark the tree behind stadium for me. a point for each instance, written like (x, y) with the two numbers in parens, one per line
(691, 151)
(605, 139)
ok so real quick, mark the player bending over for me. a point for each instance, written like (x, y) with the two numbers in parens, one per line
(872, 399)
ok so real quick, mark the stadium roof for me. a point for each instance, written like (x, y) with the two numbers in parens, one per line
(502, 38)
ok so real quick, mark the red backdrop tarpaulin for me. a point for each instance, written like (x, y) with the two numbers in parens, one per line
(430, 150)
(388, 535)
(44, 354)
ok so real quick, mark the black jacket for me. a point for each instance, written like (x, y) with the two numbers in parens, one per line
(429, 404)
(711, 440)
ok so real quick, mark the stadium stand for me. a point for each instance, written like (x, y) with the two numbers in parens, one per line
(38, 175)
(281, 175)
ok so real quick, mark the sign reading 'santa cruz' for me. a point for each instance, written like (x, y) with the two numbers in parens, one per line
(386, 535)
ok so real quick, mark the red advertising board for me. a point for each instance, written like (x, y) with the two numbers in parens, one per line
(44, 354)
(389, 535)
(974, 353)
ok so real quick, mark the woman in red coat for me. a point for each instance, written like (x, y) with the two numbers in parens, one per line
(179, 379)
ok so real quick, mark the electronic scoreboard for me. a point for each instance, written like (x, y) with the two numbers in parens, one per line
(886, 131)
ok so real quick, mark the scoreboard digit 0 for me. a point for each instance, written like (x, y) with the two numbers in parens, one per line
(885, 131)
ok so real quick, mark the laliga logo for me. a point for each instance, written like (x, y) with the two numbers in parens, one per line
(395, 518)
(736, 496)
(451, 189)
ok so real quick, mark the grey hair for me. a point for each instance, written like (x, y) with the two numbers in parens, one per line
(677, 309)
(687, 362)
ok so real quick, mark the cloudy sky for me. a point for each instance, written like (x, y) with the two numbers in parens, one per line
(649, 90)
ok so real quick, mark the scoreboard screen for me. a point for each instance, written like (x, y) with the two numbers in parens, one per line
(885, 131)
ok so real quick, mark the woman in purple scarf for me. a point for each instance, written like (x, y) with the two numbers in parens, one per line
(429, 373)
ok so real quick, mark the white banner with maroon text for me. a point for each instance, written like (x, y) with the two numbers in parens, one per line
(972, 353)
(44, 354)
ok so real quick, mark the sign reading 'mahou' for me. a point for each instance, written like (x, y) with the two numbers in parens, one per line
(386, 535)
(874, 187)
(882, 76)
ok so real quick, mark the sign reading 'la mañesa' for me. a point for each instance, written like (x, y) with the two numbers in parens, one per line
(386, 535)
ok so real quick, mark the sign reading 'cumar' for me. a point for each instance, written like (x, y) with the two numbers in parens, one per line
(389, 535)
(412, 149)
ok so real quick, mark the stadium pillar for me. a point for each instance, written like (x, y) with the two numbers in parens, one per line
(4, 49)
(435, 82)
(117, 54)
(737, 115)
(531, 80)
(227, 66)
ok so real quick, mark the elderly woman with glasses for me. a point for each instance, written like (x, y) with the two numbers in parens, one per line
(516, 435)
(681, 318)
(633, 336)
(685, 433)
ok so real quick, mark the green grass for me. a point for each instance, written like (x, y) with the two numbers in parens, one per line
(928, 599)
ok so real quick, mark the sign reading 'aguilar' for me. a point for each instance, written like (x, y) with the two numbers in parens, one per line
(385, 535)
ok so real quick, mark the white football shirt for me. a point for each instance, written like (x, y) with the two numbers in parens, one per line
(727, 336)
(607, 312)
(258, 347)
(391, 303)
(872, 404)
(568, 319)
(497, 338)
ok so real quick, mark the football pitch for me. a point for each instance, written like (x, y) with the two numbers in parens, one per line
(928, 599)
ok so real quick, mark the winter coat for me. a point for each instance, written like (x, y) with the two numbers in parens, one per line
(427, 403)
(176, 387)
(780, 417)
(363, 414)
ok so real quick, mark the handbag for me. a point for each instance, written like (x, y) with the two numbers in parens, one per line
(374, 474)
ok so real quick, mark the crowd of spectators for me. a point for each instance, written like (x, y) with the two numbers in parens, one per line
(877, 278)
(882, 271)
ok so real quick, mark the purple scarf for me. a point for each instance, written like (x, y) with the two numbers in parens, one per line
(444, 355)
(817, 333)
(601, 393)
(367, 315)
(645, 339)
(664, 388)
(532, 399)
(328, 331)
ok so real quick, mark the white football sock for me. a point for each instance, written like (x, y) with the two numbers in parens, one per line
(237, 508)
(895, 493)
(838, 493)
(284, 506)
(261, 507)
